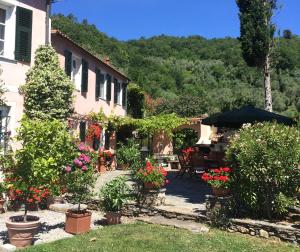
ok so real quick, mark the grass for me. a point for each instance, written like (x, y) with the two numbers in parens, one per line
(147, 238)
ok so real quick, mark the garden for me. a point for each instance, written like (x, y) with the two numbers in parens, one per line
(256, 190)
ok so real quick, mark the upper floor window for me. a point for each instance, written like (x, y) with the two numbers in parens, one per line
(77, 69)
(2, 30)
(117, 92)
(100, 85)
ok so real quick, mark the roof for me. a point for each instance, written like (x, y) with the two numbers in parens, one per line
(64, 36)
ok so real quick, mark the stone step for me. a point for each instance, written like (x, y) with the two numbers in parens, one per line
(183, 224)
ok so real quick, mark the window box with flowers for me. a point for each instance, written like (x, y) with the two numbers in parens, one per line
(80, 180)
(219, 179)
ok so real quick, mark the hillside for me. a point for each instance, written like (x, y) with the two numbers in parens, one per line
(193, 75)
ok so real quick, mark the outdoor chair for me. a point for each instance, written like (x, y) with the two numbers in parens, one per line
(185, 167)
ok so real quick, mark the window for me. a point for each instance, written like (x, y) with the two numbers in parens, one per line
(82, 129)
(117, 92)
(2, 30)
(76, 72)
(100, 85)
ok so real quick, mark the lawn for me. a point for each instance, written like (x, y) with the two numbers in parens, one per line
(146, 237)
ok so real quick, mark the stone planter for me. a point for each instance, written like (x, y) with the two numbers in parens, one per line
(21, 233)
(78, 223)
(151, 198)
(113, 218)
(220, 192)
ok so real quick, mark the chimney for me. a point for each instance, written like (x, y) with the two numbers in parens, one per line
(107, 61)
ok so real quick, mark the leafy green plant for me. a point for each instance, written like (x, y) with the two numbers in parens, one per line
(128, 153)
(115, 194)
(265, 174)
(80, 177)
(48, 92)
(46, 147)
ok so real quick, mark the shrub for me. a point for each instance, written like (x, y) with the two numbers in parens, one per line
(128, 153)
(48, 92)
(46, 147)
(80, 178)
(115, 194)
(265, 159)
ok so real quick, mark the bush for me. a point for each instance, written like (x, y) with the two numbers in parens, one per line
(48, 92)
(46, 147)
(265, 159)
(128, 153)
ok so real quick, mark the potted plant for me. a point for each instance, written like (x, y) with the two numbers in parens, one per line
(104, 158)
(114, 195)
(128, 154)
(46, 145)
(219, 179)
(80, 180)
(152, 177)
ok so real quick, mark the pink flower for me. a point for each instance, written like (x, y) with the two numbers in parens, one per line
(68, 168)
(77, 162)
(84, 168)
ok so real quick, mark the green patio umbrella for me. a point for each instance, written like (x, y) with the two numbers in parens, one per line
(248, 114)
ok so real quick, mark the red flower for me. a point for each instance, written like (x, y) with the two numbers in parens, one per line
(226, 169)
(30, 200)
(217, 171)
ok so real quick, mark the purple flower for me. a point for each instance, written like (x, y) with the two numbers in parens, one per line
(77, 162)
(83, 147)
(84, 168)
(68, 169)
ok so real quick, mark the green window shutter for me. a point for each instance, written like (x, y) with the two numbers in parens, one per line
(108, 93)
(97, 90)
(82, 128)
(85, 76)
(23, 34)
(68, 62)
(116, 90)
(124, 98)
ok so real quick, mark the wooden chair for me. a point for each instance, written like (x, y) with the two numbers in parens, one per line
(185, 166)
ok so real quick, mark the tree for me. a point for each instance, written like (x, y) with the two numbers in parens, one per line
(287, 34)
(136, 98)
(48, 92)
(257, 32)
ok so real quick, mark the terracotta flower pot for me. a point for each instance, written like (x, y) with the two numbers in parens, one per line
(21, 233)
(150, 186)
(220, 192)
(101, 165)
(2, 201)
(113, 218)
(78, 223)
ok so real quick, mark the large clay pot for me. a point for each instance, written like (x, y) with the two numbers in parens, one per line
(150, 186)
(78, 223)
(2, 201)
(21, 233)
(113, 218)
(101, 165)
(220, 192)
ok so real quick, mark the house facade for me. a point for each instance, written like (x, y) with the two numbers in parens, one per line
(98, 85)
(22, 30)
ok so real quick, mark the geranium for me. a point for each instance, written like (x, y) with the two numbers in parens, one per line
(30, 194)
(105, 153)
(93, 132)
(153, 174)
(219, 178)
(187, 153)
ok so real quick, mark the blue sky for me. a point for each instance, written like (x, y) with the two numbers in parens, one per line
(132, 19)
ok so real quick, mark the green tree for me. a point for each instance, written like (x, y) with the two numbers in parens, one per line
(48, 92)
(136, 99)
(257, 32)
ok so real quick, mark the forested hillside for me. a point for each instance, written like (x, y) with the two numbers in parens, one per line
(194, 75)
